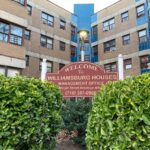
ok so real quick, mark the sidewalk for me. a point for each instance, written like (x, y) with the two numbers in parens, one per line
(67, 145)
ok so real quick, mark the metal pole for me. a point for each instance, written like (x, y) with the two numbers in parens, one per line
(120, 67)
(43, 70)
(82, 51)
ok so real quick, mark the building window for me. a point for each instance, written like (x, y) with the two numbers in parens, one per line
(73, 30)
(46, 42)
(62, 46)
(22, 2)
(16, 34)
(110, 46)
(95, 50)
(126, 39)
(47, 19)
(27, 34)
(140, 10)
(12, 72)
(29, 9)
(145, 62)
(73, 51)
(142, 36)
(87, 58)
(128, 64)
(4, 32)
(109, 24)
(112, 67)
(62, 24)
(2, 70)
(27, 60)
(49, 66)
(11, 33)
(94, 30)
(61, 66)
(124, 16)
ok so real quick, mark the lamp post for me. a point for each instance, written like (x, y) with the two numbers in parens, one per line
(83, 34)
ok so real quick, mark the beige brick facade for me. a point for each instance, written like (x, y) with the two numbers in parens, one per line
(14, 14)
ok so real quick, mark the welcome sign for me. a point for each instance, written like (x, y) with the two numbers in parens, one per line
(81, 79)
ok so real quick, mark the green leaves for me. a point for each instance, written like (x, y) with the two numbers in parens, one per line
(75, 115)
(146, 119)
(29, 113)
(120, 116)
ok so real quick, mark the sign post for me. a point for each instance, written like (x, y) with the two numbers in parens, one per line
(120, 67)
(43, 69)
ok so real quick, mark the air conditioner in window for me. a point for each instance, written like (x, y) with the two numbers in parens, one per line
(112, 48)
(105, 28)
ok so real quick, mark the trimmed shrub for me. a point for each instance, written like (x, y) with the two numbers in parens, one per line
(120, 116)
(29, 114)
(75, 116)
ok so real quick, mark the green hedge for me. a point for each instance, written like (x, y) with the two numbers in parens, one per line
(120, 116)
(29, 114)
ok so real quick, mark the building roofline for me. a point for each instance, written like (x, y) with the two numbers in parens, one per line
(108, 6)
(59, 6)
(85, 4)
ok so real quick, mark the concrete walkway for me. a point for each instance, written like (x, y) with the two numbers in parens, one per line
(67, 145)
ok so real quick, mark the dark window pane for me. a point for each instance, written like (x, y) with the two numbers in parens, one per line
(4, 28)
(29, 8)
(27, 34)
(62, 45)
(62, 24)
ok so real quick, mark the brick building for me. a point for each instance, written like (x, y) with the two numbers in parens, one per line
(31, 30)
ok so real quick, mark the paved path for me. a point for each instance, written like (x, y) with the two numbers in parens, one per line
(67, 146)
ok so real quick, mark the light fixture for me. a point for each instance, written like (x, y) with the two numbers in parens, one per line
(83, 34)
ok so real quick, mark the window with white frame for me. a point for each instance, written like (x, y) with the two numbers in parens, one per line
(128, 64)
(110, 46)
(47, 19)
(126, 39)
(142, 36)
(140, 10)
(109, 24)
(124, 16)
